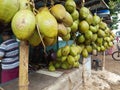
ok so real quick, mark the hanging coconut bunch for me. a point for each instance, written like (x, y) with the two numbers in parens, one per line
(73, 13)
(44, 25)
(93, 33)
(64, 20)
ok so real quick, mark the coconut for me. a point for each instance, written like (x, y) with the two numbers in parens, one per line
(23, 24)
(93, 28)
(81, 39)
(47, 23)
(94, 37)
(70, 5)
(85, 53)
(74, 27)
(24, 4)
(62, 30)
(58, 11)
(103, 25)
(101, 33)
(8, 9)
(83, 26)
(67, 20)
(84, 12)
(35, 39)
(75, 15)
(49, 41)
(89, 48)
(89, 18)
(66, 37)
(96, 20)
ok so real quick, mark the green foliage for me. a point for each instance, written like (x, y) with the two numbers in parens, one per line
(114, 6)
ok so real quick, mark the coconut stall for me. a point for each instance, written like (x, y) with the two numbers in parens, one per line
(57, 39)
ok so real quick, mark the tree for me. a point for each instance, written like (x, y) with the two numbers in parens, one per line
(114, 9)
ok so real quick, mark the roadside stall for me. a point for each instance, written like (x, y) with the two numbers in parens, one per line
(57, 38)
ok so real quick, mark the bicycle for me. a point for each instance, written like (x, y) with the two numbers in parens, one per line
(116, 54)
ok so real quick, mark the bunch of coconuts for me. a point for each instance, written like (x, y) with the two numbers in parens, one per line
(57, 21)
(47, 24)
(67, 58)
(93, 33)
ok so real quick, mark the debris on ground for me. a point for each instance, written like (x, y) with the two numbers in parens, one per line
(102, 80)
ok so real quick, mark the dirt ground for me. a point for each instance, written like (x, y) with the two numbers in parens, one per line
(108, 79)
(102, 80)
(113, 66)
(99, 79)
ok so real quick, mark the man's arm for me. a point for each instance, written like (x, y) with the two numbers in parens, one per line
(2, 51)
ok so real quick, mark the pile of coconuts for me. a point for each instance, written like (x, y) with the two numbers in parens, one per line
(47, 23)
(67, 58)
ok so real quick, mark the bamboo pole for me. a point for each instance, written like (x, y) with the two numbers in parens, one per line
(23, 66)
(103, 61)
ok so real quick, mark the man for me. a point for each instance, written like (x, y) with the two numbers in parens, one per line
(9, 56)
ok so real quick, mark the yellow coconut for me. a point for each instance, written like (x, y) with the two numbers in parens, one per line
(47, 23)
(23, 24)
(58, 11)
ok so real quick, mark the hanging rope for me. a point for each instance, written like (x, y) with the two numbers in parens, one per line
(35, 12)
(41, 39)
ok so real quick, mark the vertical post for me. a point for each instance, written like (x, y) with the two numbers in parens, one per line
(84, 74)
(103, 61)
(23, 66)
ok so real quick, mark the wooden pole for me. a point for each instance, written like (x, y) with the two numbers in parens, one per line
(103, 61)
(84, 73)
(23, 66)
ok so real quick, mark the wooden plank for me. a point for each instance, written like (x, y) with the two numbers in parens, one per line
(23, 66)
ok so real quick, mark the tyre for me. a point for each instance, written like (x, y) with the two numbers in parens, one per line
(116, 55)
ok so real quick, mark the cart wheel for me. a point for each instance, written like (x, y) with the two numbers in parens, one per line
(116, 55)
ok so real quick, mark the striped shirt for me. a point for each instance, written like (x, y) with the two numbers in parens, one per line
(9, 51)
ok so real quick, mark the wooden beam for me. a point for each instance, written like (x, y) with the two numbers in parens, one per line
(23, 66)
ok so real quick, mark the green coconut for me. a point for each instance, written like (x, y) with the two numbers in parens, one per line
(8, 8)
(70, 6)
(23, 24)
(84, 12)
(83, 26)
(47, 23)
(49, 41)
(89, 18)
(75, 15)
(35, 39)
(96, 20)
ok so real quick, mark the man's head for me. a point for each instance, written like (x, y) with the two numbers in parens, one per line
(6, 35)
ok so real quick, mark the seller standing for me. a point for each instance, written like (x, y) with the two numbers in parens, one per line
(9, 56)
